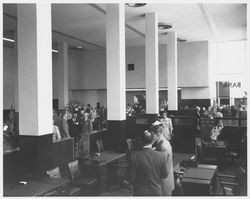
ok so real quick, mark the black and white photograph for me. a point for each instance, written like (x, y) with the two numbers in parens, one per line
(120, 99)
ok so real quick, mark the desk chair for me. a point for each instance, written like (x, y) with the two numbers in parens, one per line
(100, 145)
(209, 153)
(129, 144)
(72, 191)
(232, 184)
(88, 185)
(121, 167)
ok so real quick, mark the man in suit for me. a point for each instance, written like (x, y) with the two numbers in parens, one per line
(163, 145)
(146, 168)
(74, 127)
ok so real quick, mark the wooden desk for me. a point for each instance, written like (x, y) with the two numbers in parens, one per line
(178, 157)
(100, 167)
(35, 188)
(200, 180)
(215, 151)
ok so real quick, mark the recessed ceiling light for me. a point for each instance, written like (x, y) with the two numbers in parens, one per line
(79, 47)
(164, 26)
(135, 5)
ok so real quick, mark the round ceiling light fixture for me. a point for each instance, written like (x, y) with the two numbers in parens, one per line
(135, 5)
(164, 26)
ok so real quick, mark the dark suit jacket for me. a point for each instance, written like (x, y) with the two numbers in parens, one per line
(74, 128)
(145, 170)
(86, 126)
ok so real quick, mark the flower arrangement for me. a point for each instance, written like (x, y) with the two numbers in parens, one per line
(10, 130)
(72, 107)
(215, 133)
(93, 115)
(75, 106)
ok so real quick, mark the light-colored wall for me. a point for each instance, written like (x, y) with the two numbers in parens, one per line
(136, 78)
(9, 64)
(192, 67)
(92, 71)
(195, 93)
(228, 63)
(91, 97)
(55, 75)
(87, 72)
(193, 64)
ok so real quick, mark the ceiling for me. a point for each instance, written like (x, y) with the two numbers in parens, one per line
(84, 24)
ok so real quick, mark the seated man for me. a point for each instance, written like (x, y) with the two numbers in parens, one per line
(146, 168)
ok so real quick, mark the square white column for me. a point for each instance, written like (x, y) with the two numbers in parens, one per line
(152, 64)
(16, 105)
(172, 71)
(34, 69)
(1, 61)
(115, 53)
(63, 96)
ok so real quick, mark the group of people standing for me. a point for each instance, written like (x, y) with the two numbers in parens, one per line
(71, 125)
(150, 170)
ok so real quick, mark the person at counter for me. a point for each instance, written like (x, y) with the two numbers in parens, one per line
(167, 126)
(56, 118)
(56, 133)
(64, 127)
(74, 126)
(218, 121)
(86, 123)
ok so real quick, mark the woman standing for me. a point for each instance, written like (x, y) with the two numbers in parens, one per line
(167, 126)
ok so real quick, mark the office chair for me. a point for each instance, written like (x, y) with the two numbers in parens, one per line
(129, 144)
(100, 145)
(71, 191)
(121, 167)
(54, 173)
(87, 184)
(231, 184)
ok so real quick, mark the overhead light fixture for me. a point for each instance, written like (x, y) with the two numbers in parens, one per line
(181, 40)
(164, 33)
(164, 26)
(7, 39)
(79, 48)
(54, 51)
(135, 5)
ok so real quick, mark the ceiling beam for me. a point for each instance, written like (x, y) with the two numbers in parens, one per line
(76, 38)
(126, 25)
(63, 34)
(208, 17)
